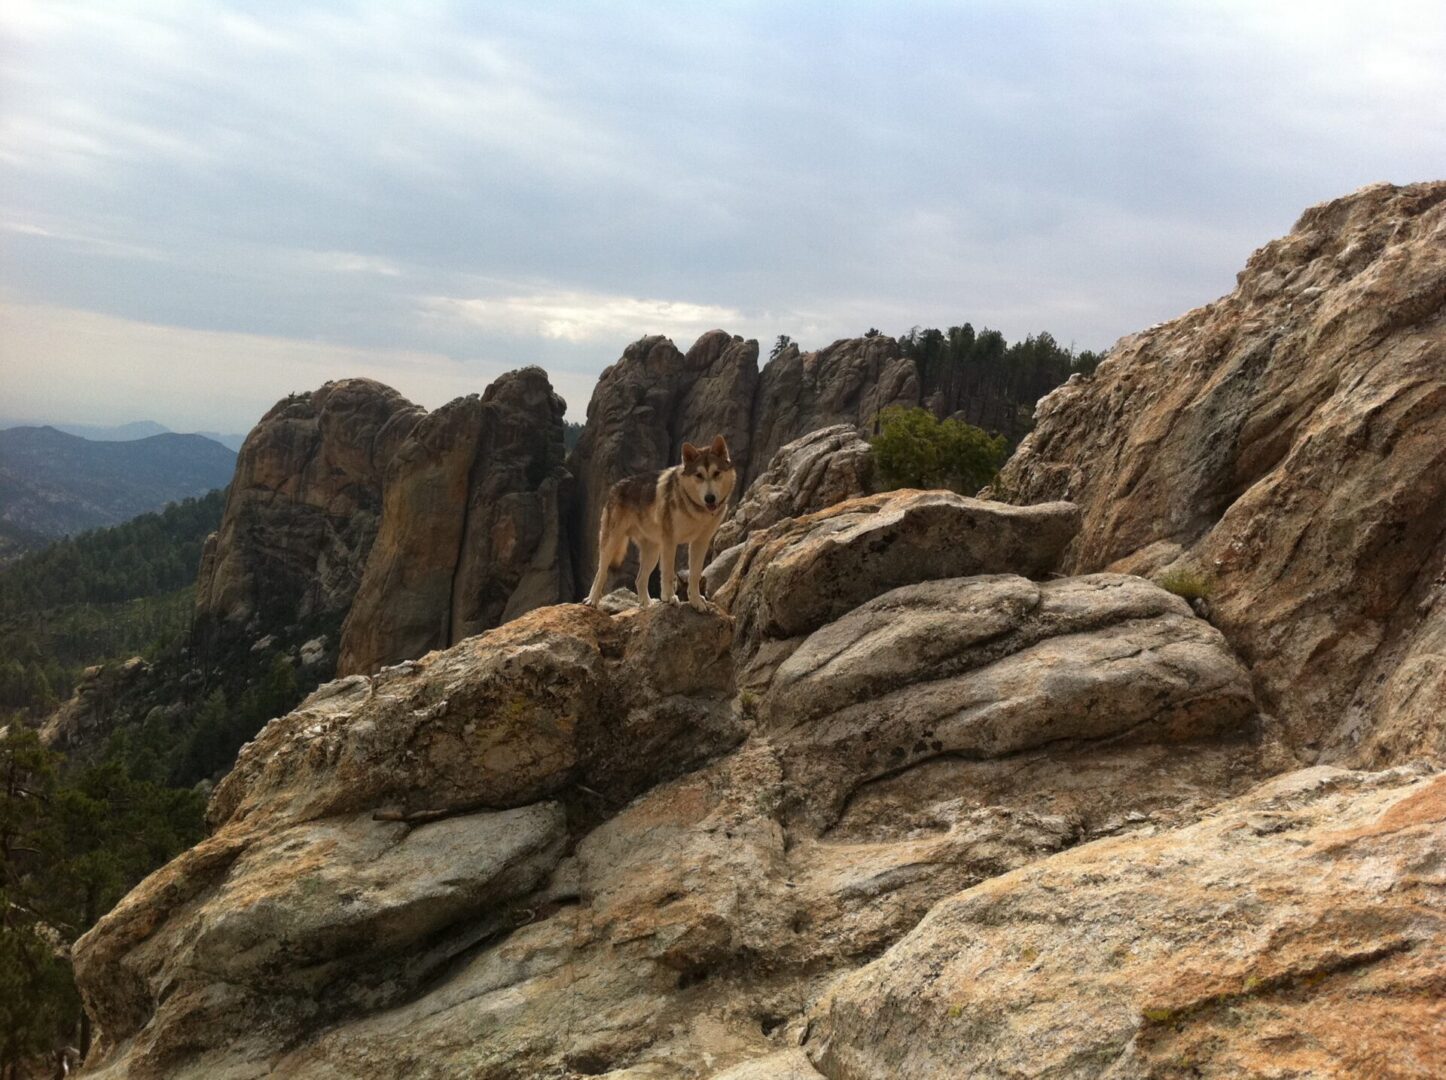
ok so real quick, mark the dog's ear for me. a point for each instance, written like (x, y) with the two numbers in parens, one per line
(720, 447)
(690, 453)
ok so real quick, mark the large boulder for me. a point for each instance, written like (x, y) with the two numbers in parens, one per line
(1286, 445)
(303, 507)
(390, 824)
(811, 473)
(1291, 933)
(803, 572)
(646, 406)
(988, 667)
(473, 525)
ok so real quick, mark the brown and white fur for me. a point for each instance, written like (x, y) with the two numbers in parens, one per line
(658, 511)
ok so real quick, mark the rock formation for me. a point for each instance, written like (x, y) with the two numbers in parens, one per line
(473, 525)
(811, 473)
(849, 382)
(302, 511)
(789, 580)
(911, 802)
(1291, 933)
(83, 720)
(571, 846)
(1287, 443)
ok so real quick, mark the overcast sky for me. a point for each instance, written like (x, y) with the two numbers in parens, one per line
(205, 206)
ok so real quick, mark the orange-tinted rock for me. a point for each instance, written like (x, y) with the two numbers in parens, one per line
(1295, 932)
(1288, 443)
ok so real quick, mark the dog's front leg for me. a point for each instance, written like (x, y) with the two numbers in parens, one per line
(647, 559)
(697, 552)
(668, 569)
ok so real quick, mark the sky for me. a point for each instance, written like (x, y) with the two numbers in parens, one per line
(207, 206)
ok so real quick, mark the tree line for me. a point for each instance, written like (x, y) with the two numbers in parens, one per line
(72, 843)
(105, 594)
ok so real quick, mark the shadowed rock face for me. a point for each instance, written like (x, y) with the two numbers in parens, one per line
(303, 507)
(849, 382)
(1288, 441)
(473, 528)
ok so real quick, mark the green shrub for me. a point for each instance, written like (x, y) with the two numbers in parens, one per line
(1187, 583)
(916, 449)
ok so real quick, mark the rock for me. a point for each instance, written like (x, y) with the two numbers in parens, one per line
(302, 511)
(796, 576)
(471, 527)
(849, 382)
(313, 651)
(324, 917)
(785, 1065)
(390, 824)
(1290, 933)
(987, 667)
(83, 721)
(645, 407)
(820, 469)
(1288, 443)
(503, 719)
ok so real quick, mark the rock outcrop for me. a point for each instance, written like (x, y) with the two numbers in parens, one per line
(390, 824)
(1287, 444)
(83, 720)
(473, 525)
(570, 846)
(849, 382)
(1291, 933)
(803, 572)
(303, 507)
(812, 473)
(988, 667)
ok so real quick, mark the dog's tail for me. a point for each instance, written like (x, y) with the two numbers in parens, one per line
(612, 543)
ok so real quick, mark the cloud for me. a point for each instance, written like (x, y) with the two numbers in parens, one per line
(64, 364)
(491, 185)
(584, 317)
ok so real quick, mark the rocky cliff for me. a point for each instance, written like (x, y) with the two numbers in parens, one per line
(1001, 821)
(473, 525)
(943, 787)
(1286, 445)
(303, 507)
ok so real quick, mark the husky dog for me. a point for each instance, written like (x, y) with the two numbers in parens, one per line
(658, 511)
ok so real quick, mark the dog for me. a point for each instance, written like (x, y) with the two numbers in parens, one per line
(683, 504)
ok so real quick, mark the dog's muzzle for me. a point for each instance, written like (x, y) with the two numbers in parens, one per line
(711, 500)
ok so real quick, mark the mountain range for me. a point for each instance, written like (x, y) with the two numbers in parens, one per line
(128, 432)
(53, 484)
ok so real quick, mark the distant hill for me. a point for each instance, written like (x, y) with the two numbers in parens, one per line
(136, 429)
(54, 484)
